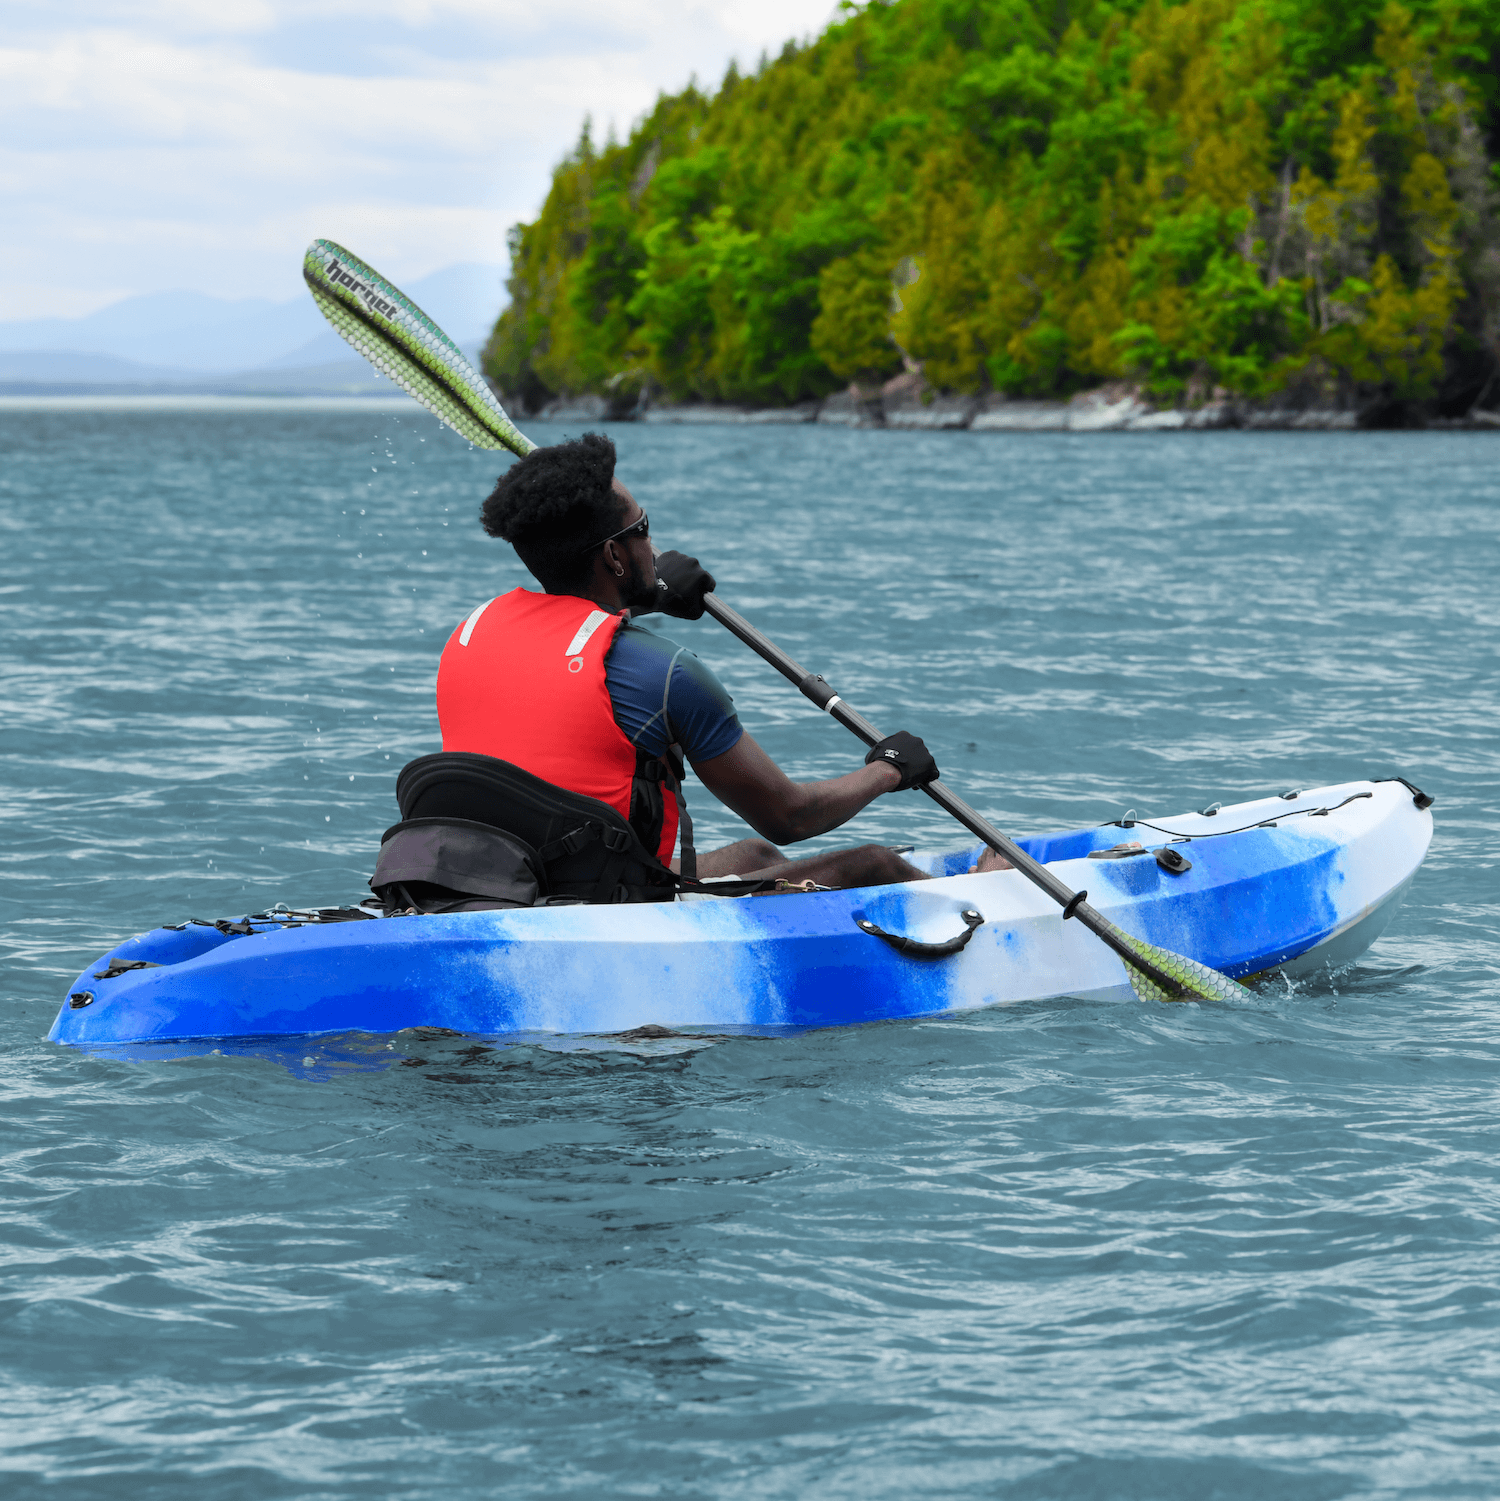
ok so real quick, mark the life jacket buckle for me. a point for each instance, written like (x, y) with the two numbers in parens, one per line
(616, 841)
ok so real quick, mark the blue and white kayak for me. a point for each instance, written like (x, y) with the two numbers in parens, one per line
(1295, 883)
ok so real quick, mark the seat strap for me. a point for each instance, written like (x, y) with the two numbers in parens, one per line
(570, 843)
(686, 851)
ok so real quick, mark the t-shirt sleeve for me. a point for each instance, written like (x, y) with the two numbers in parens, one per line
(662, 693)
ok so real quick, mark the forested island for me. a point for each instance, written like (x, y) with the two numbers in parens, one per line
(1269, 201)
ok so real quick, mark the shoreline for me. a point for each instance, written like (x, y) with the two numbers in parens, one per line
(904, 405)
(1093, 412)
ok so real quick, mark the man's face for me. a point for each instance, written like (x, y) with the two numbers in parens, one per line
(638, 586)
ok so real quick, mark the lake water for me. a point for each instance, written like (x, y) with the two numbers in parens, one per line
(1072, 1250)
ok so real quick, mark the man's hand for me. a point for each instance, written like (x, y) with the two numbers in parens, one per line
(907, 755)
(681, 583)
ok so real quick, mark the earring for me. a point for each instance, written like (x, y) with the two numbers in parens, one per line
(619, 573)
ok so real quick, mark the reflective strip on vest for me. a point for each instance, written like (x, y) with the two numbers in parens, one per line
(586, 630)
(523, 679)
(471, 622)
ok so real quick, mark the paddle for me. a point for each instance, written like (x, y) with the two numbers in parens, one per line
(398, 338)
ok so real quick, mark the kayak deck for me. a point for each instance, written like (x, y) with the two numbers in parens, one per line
(1275, 883)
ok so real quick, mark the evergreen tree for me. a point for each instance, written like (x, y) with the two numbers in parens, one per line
(1233, 194)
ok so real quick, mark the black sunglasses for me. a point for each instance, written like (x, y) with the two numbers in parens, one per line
(641, 528)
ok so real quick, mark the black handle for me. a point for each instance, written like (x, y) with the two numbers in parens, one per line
(1420, 798)
(914, 948)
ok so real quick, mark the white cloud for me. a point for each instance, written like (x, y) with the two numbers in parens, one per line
(185, 143)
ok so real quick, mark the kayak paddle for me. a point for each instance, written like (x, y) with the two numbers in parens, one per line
(398, 338)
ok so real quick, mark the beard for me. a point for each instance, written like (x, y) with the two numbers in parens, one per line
(638, 588)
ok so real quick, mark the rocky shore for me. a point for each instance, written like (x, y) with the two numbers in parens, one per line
(906, 402)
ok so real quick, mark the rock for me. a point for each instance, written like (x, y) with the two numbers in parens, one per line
(1211, 415)
(1158, 421)
(997, 415)
(1108, 409)
(586, 408)
(1316, 419)
(941, 412)
(908, 401)
(716, 412)
(1468, 423)
(852, 408)
(1326, 421)
(694, 413)
(804, 411)
(903, 389)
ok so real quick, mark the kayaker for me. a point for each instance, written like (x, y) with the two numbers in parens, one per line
(562, 684)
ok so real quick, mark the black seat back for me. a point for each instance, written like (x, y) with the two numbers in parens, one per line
(585, 848)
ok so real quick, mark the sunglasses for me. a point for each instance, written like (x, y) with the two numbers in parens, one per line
(641, 528)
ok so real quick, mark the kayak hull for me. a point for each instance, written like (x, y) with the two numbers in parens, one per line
(1300, 891)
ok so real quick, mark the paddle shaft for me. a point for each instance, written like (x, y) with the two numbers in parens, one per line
(815, 688)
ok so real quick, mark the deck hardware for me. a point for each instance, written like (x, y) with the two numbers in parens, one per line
(117, 967)
(915, 948)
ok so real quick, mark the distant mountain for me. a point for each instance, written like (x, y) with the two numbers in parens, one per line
(60, 367)
(185, 329)
(185, 336)
(339, 373)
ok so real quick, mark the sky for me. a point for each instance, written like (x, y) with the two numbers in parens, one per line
(152, 145)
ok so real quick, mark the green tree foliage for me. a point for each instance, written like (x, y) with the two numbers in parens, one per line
(1036, 197)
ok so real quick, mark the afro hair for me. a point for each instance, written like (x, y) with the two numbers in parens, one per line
(550, 505)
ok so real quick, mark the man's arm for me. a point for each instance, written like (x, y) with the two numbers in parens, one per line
(749, 782)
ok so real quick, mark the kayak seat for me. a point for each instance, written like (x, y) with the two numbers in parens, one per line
(454, 865)
(477, 832)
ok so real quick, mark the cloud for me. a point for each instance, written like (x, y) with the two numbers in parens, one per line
(202, 145)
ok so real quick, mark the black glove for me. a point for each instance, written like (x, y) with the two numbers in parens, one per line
(908, 755)
(681, 583)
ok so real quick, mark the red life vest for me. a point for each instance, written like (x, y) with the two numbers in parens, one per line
(522, 679)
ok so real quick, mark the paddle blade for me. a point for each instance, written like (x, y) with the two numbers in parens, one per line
(398, 338)
(1198, 981)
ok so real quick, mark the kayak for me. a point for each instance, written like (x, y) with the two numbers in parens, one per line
(1297, 882)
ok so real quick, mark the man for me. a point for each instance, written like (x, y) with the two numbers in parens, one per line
(562, 685)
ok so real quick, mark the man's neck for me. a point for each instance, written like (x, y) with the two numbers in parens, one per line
(605, 599)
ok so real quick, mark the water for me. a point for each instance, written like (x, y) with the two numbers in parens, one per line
(1069, 1250)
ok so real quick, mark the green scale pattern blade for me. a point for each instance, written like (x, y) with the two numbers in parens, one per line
(400, 340)
(1199, 982)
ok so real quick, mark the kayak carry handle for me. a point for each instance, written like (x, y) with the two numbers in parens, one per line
(914, 948)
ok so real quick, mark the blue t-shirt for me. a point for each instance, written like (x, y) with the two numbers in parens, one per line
(663, 695)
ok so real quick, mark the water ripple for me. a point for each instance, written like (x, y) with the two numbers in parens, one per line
(1065, 1250)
